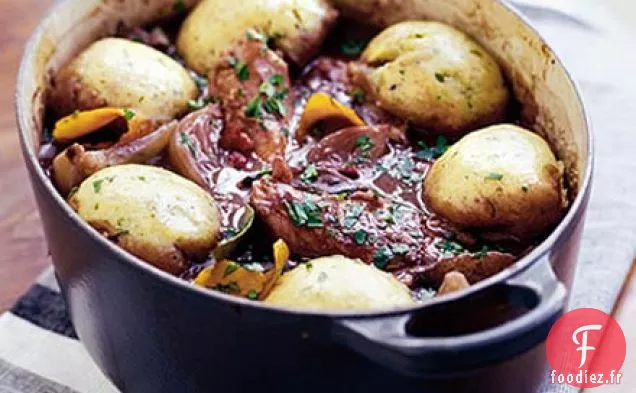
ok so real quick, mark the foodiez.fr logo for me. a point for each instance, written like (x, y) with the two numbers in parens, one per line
(586, 348)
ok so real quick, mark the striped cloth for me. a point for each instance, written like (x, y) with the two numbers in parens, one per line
(39, 350)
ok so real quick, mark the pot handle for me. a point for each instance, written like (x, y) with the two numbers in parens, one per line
(534, 298)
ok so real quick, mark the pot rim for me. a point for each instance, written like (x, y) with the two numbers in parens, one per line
(122, 256)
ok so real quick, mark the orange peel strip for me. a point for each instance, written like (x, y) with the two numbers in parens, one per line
(322, 106)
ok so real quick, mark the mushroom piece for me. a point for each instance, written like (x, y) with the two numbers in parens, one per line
(338, 283)
(503, 181)
(152, 213)
(434, 76)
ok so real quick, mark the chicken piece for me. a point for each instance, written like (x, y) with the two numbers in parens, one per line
(361, 226)
(75, 163)
(374, 229)
(253, 84)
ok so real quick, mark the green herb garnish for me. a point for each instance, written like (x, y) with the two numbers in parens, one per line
(494, 176)
(441, 78)
(230, 268)
(276, 79)
(364, 143)
(232, 287)
(186, 140)
(433, 152)
(179, 6)
(252, 294)
(97, 185)
(304, 214)
(128, 114)
(450, 248)
(267, 88)
(360, 236)
(310, 174)
(253, 35)
(358, 95)
(382, 256)
(242, 72)
(352, 214)
(482, 252)
(352, 47)
(400, 248)
(254, 108)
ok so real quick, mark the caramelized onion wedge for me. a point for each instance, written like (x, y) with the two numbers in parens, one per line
(74, 164)
(333, 114)
(226, 246)
(230, 277)
(82, 123)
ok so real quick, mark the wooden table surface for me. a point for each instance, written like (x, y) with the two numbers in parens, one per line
(23, 253)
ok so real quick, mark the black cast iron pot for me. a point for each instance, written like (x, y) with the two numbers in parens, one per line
(151, 332)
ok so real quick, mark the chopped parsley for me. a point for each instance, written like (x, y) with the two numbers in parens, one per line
(230, 268)
(97, 185)
(352, 47)
(121, 232)
(253, 35)
(382, 256)
(276, 80)
(267, 88)
(73, 191)
(450, 248)
(494, 176)
(186, 140)
(358, 95)
(482, 252)
(232, 287)
(128, 114)
(400, 248)
(254, 108)
(275, 106)
(252, 294)
(200, 81)
(179, 6)
(441, 78)
(200, 103)
(360, 237)
(242, 72)
(364, 143)
(310, 174)
(267, 171)
(304, 214)
(308, 265)
(430, 153)
(404, 169)
(352, 214)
